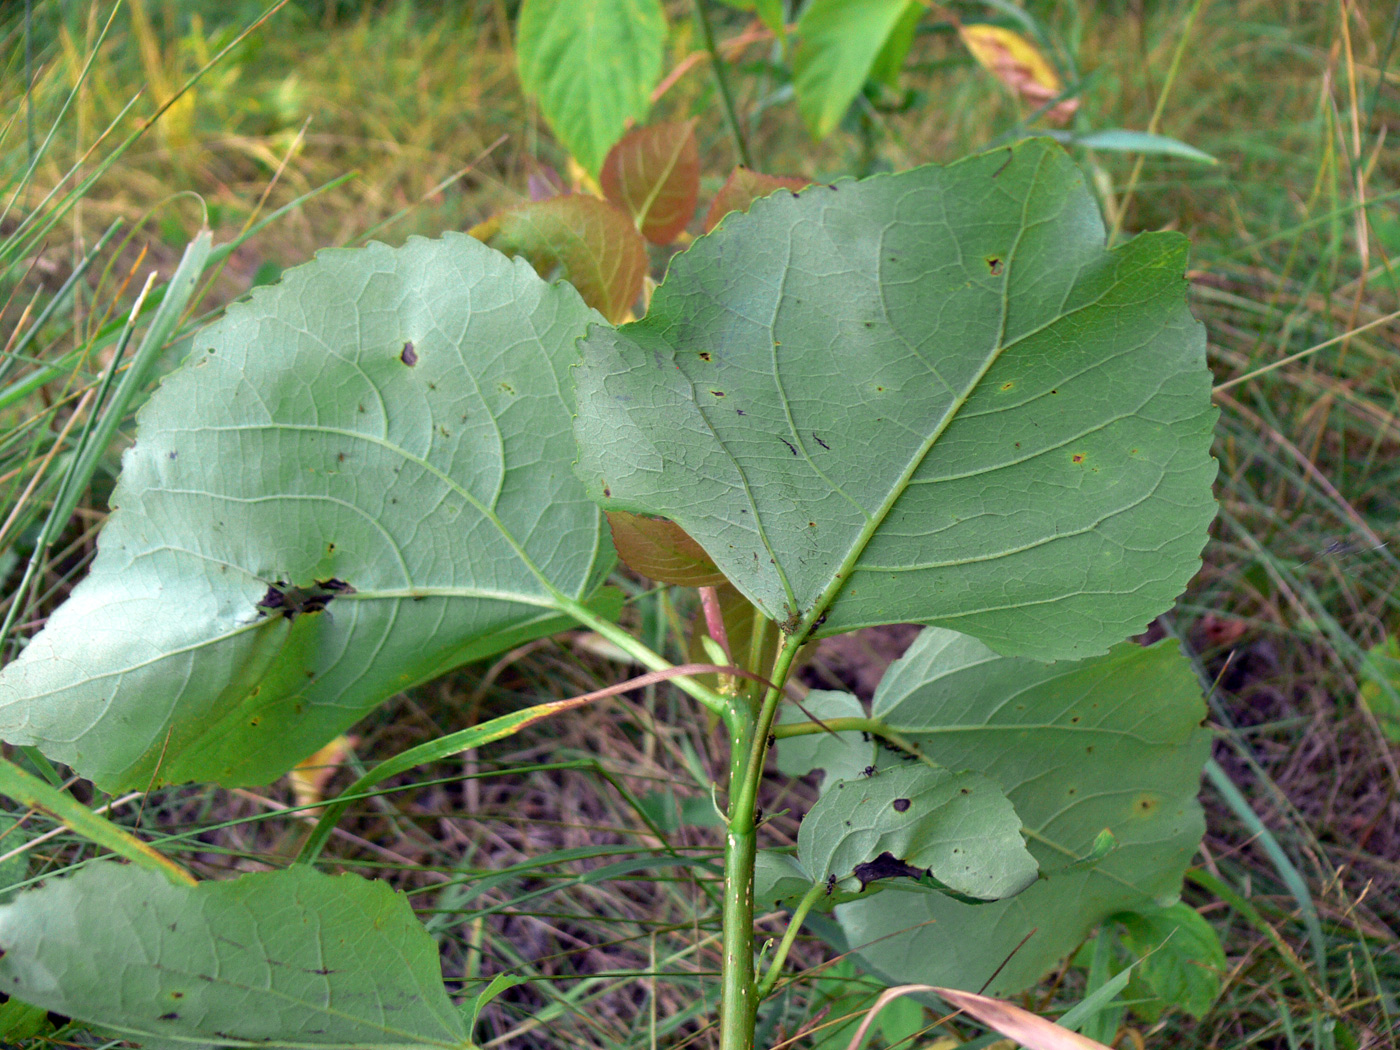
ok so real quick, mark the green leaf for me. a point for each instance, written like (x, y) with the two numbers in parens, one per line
(598, 249)
(592, 66)
(838, 43)
(1182, 963)
(958, 827)
(1121, 140)
(394, 421)
(653, 174)
(928, 397)
(888, 64)
(843, 756)
(1380, 685)
(279, 959)
(1112, 742)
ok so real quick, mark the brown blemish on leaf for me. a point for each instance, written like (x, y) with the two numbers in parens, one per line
(900, 805)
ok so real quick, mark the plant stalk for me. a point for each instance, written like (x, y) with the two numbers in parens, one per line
(748, 745)
(707, 38)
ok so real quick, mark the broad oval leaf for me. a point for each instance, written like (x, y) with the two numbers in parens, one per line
(289, 958)
(1109, 743)
(958, 827)
(597, 248)
(653, 174)
(358, 481)
(928, 397)
(592, 66)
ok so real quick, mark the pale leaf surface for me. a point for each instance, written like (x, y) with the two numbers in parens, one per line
(289, 958)
(394, 419)
(1113, 742)
(927, 397)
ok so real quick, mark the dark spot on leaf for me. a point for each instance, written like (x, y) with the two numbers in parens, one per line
(794, 194)
(174, 454)
(717, 393)
(340, 457)
(994, 266)
(879, 390)
(1054, 391)
(1074, 720)
(741, 411)
(409, 355)
(900, 805)
(1018, 444)
(291, 602)
(171, 1016)
(704, 355)
(506, 388)
(255, 721)
(964, 791)
(432, 386)
(361, 408)
(1078, 457)
(885, 866)
(606, 491)
(820, 442)
(1008, 385)
(791, 447)
(330, 547)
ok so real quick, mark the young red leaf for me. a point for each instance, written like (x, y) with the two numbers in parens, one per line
(660, 549)
(745, 186)
(653, 174)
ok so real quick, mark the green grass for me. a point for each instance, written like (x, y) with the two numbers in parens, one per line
(581, 854)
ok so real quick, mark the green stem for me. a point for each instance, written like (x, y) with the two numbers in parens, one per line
(748, 744)
(794, 927)
(707, 38)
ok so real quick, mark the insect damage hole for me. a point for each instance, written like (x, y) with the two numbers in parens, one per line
(994, 265)
(409, 356)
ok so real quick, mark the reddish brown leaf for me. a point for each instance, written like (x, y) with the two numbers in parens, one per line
(653, 174)
(597, 247)
(743, 187)
(660, 549)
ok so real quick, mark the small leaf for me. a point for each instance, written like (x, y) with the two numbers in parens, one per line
(653, 174)
(958, 827)
(597, 248)
(284, 958)
(1380, 685)
(1121, 140)
(1020, 66)
(592, 66)
(1112, 742)
(1182, 963)
(838, 43)
(660, 549)
(743, 187)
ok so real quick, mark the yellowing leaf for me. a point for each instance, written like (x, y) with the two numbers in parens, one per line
(597, 247)
(1018, 64)
(654, 175)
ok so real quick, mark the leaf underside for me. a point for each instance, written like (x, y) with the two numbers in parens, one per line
(927, 397)
(1113, 743)
(387, 429)
(286, 958)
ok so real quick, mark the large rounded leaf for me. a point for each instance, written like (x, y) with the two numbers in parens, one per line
(360, 480)
(279, 959)
(1109, 743)
(927, 397)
